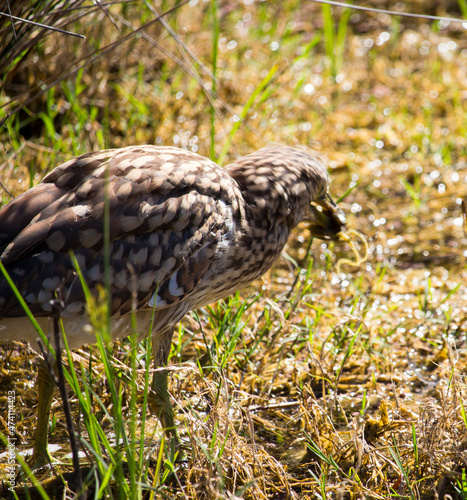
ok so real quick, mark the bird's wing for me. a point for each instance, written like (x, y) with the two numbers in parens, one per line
(168, 211)
(19, 213)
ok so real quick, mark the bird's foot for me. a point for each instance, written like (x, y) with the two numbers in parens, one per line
(40, 458)
(161, 407)
(38, 463)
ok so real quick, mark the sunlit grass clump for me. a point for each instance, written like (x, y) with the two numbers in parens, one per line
(320, 381)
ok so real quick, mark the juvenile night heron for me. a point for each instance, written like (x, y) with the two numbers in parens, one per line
(183, 233)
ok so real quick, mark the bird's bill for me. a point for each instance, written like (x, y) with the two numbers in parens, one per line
(326, 220)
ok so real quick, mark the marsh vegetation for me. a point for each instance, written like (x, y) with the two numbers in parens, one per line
(318, 381)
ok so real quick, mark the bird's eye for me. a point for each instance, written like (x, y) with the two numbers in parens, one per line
(323, 194)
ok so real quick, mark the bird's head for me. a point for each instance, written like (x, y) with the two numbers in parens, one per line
(326, 220)
(286, 186)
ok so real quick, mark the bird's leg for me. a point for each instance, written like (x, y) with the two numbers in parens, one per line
(161, 402)
(45, 389)
(159, 399)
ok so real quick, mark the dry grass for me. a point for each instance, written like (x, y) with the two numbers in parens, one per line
(351, 385)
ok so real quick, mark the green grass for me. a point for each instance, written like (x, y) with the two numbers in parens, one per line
(313, 382)
(334, 38)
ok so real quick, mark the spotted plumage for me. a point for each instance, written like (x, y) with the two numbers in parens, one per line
(182, 233)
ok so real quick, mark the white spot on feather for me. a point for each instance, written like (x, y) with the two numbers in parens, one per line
(124, 191)
(165, 157)
(174, 289)
(134, 175)
(73, 308)
(44, 296)
(125, 163)
(81, 210)
(156, 302)
(138, 258)
(130, 223)
(142, 161)
(193, 164)
(30, 299)
(94, 273)
(56, 241)
(46, 257)
(84, 189)
(167, 167)
(81, 260)
(146, 280)
(168, 264)
(145, 210)
(155, 257)
(89, 237)
(99, 172)
(120, 279)
(51, 283)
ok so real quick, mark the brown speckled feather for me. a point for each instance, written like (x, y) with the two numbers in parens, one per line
(167, 216)
(183, 231)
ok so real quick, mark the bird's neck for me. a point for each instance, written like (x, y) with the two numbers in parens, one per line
(270, 200)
